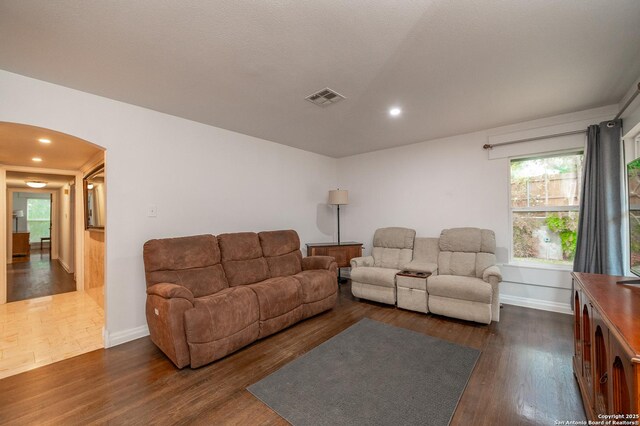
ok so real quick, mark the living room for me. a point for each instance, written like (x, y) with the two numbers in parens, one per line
(254, 170)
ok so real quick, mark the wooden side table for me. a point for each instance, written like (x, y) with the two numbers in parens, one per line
(21, 246)
(343, 252)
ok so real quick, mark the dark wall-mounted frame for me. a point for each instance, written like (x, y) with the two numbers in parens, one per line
(94, 199)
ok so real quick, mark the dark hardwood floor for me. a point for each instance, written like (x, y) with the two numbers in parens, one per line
(37, 277)
(523, 376)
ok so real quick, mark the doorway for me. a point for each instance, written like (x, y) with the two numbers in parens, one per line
(36, 269)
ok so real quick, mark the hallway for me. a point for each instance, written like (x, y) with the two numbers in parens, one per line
(37, 277)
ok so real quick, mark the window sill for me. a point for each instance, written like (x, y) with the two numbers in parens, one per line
(546, 267)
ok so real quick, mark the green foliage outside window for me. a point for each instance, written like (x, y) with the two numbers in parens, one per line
(566, 227)
(38, 218)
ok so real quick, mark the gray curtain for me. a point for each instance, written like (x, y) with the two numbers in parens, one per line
(600, 239)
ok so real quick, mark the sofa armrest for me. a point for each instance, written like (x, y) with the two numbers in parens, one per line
(165, 318)
(357, 262)
(317, 262)
(493, 276)
(170, 291)
(418, 266)
(492, 273)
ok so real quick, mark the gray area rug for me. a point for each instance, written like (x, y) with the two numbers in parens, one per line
(371, 374)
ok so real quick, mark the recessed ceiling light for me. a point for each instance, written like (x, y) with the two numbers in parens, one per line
(44, 140)
(36, 184)
(36, 159)
(395, 111)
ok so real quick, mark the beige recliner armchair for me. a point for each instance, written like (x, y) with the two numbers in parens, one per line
(467, 282)
(374, 277)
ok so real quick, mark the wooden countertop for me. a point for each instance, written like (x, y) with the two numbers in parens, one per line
(342, 243)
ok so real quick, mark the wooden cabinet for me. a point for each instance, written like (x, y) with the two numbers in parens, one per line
(342, 252)
(586, 336)
(21, 247)
(600, 363)
(577, 331)
(606, 359)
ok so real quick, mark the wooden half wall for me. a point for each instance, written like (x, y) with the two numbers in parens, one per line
(94, 265)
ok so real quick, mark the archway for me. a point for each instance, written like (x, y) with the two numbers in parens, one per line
(59, 162)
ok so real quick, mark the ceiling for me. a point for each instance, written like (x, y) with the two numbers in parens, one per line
(452, 66)
(19, 144)
(18, 179)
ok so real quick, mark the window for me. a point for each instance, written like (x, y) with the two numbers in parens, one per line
(38, 218)
(545, 197)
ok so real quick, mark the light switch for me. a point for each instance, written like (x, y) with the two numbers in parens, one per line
(152, 210)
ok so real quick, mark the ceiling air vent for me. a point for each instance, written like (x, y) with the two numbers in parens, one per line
(325, 97)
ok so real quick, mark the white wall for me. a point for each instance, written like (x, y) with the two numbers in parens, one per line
(235, 182)
(451, 182)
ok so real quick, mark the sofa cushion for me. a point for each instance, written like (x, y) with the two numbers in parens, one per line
(277, 243)
(457, 263)
(392, 247)
(468, 240)
(316, 284)
(285, 265)
(242, 258)
(426, 250)
(385, 277)
(394, 258)
(463, 288)
(239, 246)
(242, 272)
(192, 262)
(394, 237)
(277, 296)
(221, 315)
(282, 252)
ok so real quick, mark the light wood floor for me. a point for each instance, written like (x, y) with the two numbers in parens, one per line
(523, 375)
(44, 330)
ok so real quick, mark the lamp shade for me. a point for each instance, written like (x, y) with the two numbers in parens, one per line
(18, 213)
(338, 197)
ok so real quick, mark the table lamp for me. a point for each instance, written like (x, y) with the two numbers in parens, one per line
(17, 214)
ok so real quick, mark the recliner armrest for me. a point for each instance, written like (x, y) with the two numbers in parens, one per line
(418, 266)
(318, 262)
(357, 262)
(492, 272)
(170, 291)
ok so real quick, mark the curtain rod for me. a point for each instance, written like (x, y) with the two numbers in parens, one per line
(575, 132)
(537, 138)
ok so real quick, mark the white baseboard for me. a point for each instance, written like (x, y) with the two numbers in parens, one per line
(64, 266)
(543, 305)
(124, 336)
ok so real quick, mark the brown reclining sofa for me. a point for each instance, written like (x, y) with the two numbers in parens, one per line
(209, 296)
